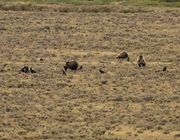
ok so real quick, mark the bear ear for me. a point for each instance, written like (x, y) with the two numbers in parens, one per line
(140, 56)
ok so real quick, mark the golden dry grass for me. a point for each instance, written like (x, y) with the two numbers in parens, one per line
(125, 103)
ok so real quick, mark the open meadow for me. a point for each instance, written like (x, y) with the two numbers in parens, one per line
(125, 103)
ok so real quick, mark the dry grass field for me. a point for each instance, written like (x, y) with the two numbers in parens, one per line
(126, 103)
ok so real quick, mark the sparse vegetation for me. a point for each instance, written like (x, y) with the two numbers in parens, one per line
(136, 2)
(122, 101)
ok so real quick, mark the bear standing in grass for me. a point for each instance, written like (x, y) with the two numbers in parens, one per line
(141, 61)
(72, 65)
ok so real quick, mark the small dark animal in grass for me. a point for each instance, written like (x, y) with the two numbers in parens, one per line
(165, 68)
(123, 55)
(31, 70)
(72, 65)
(141, 61)
(101, 71)
(27, 69)
(41, 59)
